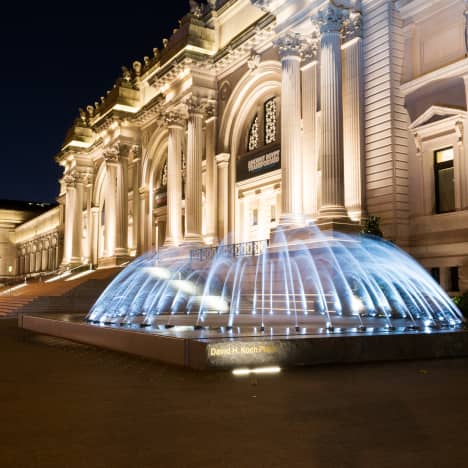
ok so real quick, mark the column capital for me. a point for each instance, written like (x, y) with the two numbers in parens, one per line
(289, 45)
(135, 151)
(69, 181)
(196, 106)
(222, 159)
(116, 153)
(331, 19)
(174, 120)
(310, 49)
(352, 27)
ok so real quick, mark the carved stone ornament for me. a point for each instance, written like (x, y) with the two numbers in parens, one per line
(254, 60)
(81, 177)
(136, 152)
(265, 5)
(116, 152)
(196, 106)
(352, 27)
(173, 119)
(310, 49)
(69, 181)
(197, 9)
(331, 19)
(289, 44)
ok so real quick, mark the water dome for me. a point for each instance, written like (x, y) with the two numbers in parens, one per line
(322, 283)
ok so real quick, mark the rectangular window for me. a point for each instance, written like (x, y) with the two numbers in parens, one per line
(255, 217)
(444, 180)
(435, 273)
(272, 213)
(454, 286)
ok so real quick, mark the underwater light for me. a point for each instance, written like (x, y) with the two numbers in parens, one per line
(158, 272)
(258, 370)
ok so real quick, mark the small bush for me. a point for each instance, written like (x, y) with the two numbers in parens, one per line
(462, 303)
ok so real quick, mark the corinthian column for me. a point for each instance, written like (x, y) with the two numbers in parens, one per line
(289, 47)
(116, 201)
(193, 190)
(331, 149)
(222, 161)
(80, 180)
(211, 176)
(175, 126)
(69, 214)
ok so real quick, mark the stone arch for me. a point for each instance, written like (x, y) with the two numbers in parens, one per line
(264, 81)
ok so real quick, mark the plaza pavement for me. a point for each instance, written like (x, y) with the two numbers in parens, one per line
(65, 405)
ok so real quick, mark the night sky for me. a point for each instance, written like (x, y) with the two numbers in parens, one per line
(55, 60)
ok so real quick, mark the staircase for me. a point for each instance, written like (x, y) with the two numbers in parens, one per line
(66, 295)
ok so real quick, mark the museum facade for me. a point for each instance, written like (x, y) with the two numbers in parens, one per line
(256, 113)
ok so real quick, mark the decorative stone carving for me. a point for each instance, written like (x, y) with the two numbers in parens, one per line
(290, 44)
(69, 181)
(197, 9)
(265, 5)
(196, 106)
(254, 60)
(135, 151)
(310, 48)
(173, 119)
(352, 27)
(115, 153)
(331, 19)
(225, 91)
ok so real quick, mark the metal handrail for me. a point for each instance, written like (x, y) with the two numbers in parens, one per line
(243, 249)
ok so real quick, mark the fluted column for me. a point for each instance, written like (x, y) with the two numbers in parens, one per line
(94, 234)
(110, 203)
(310, 81)
(193, 189)
(289, 47)
(211, 176)
(331, 148)
(174, 180)
(116, 201)
(353, 118)
(78, 219)
(222, 162)
(69, 216)
(136, 198)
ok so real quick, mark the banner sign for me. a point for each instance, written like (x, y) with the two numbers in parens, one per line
(255, 163)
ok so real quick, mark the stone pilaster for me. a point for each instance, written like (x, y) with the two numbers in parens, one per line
(332, 208)
(176, 127)
(222, 162)
(193, 189)
(353, 118)
(289, 48)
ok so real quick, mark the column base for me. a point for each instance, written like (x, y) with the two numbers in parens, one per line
(193, 241)
(345, 225)
(114, 261)
(292, 221)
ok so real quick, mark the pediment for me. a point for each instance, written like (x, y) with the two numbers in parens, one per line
(435, 114)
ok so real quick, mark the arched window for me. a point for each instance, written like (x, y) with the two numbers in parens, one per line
(263, 129)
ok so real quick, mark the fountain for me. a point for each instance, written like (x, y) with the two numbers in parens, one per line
(320, 284)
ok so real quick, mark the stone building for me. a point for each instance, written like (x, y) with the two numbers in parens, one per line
(25, 233)
(259, 112)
